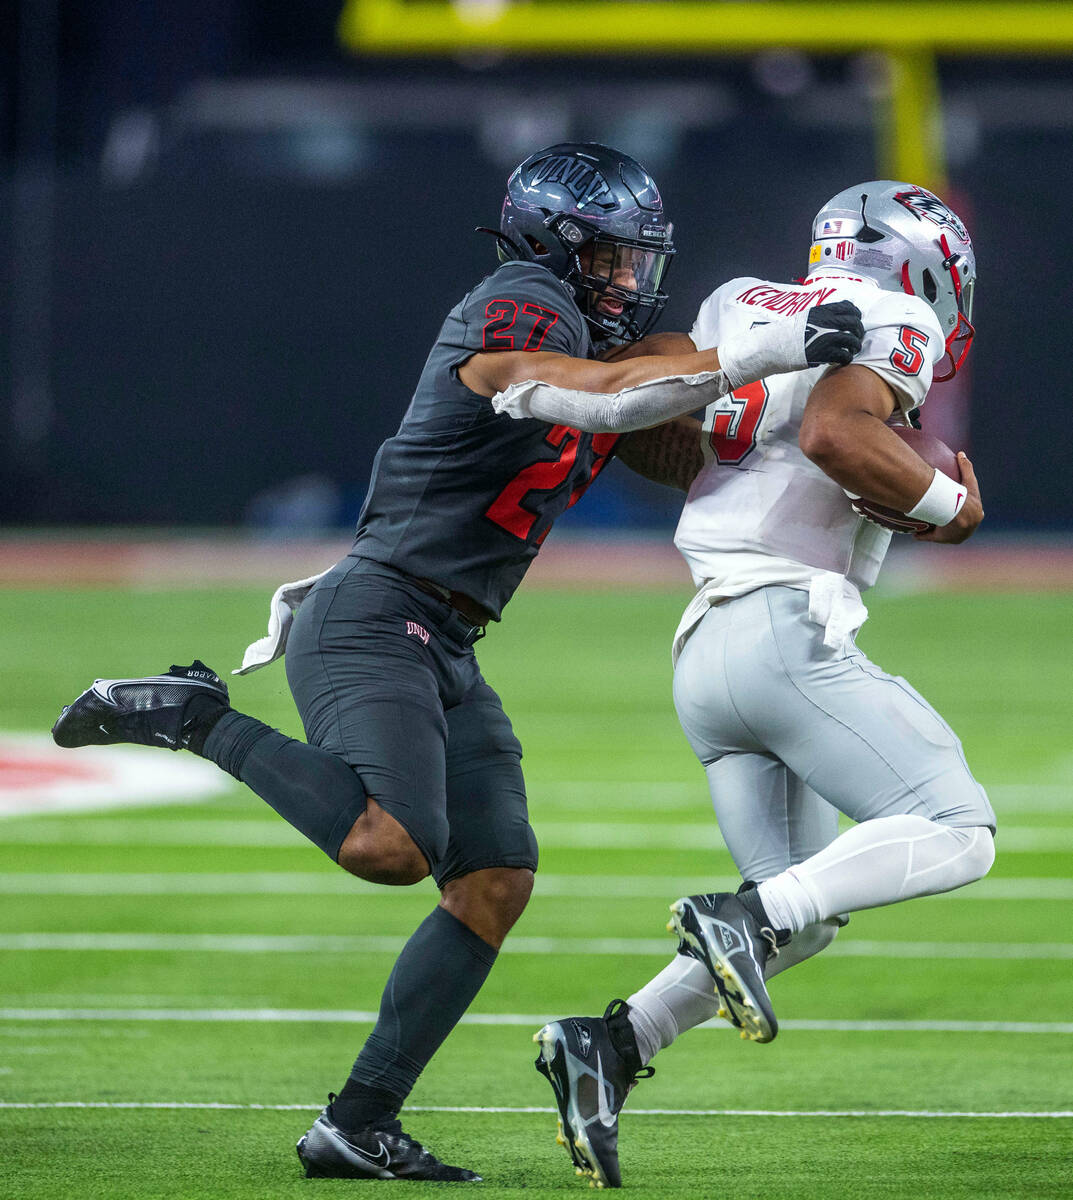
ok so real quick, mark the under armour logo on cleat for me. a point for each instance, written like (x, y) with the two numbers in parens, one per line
(415, 630)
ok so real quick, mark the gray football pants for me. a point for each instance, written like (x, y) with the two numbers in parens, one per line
(791, 732)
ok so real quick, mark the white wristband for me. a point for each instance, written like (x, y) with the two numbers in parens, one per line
(941, 503)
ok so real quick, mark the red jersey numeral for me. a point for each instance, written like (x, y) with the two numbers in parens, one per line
(506, 510)
(910, 359)
(501, 316)
(499, 329)
(733, 433)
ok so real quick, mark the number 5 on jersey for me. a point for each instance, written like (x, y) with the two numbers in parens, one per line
(735, 420)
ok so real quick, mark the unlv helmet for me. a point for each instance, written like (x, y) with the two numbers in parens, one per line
(593, 216)
(908, 241)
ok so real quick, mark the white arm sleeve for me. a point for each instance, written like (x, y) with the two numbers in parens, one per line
(637, 407)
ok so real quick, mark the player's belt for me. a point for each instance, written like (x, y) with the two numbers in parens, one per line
(476, 614)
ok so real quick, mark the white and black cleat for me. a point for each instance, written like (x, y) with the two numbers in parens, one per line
(151, 711)
(592, 1064)
(379, 1151)
(720, 931)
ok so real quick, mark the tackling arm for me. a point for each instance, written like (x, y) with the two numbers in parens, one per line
(636, 393)
(843, 432)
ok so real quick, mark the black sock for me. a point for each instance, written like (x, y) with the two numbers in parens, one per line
(749, 898)
(314, 790)
(434, 980)
(201, 713)
(358, 1105)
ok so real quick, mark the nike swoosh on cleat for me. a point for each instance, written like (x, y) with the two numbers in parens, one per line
(605, 1115)
(379, 1160)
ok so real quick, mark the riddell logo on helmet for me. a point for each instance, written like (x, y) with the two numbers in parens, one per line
(583, 182)
(927, 207)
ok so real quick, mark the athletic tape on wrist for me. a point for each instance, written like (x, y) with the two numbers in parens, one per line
(941, 503)
(766, 350)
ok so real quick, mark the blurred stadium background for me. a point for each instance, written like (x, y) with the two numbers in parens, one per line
(214, 221)
(228, 234)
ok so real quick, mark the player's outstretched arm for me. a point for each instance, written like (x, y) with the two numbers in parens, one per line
(843, 431)
(637, 393)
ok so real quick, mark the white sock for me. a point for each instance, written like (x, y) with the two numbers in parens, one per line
(681, 996)
(877, 862)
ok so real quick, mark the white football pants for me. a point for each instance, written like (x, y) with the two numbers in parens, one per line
(766, 707)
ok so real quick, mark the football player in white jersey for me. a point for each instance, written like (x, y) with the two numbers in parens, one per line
(791, 722)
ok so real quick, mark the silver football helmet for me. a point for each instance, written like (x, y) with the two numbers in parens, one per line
(909, 241)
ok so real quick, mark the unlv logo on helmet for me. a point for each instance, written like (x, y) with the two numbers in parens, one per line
(583, 181)
(926, 207)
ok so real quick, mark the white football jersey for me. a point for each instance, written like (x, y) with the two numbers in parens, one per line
(759, 512)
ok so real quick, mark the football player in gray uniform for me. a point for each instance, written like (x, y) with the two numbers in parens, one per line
(791, 722)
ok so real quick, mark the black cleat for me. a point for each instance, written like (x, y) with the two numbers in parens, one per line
(721, 931)
(592, 1064)
(148, 712)
(379, 1151)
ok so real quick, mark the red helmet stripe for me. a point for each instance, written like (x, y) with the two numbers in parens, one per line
(907, 287)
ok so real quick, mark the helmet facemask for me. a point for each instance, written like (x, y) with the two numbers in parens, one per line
(618, 281)
(960, 285)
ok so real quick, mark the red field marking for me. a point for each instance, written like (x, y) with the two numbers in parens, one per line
(38, 778)
(23, 771)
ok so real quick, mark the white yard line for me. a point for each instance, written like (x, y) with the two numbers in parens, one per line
(340, 883)
(239, 943)
(327, 1016)
(215, 1106)
(332, 883)
(607, 835)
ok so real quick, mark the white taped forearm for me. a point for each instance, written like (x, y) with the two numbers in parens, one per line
(769, 349)
(638, 407)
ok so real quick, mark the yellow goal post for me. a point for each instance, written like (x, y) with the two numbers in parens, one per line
(909, 33)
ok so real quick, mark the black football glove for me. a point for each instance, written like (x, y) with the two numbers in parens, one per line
(833, 333)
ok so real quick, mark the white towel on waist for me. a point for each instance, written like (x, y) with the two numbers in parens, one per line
(284, 604)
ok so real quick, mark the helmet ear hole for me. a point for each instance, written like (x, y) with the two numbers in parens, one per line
(931, 288)
(536, 247)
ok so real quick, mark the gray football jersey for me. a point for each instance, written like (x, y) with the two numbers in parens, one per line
(463, 495)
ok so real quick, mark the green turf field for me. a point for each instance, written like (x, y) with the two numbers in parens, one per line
(203, 1042)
